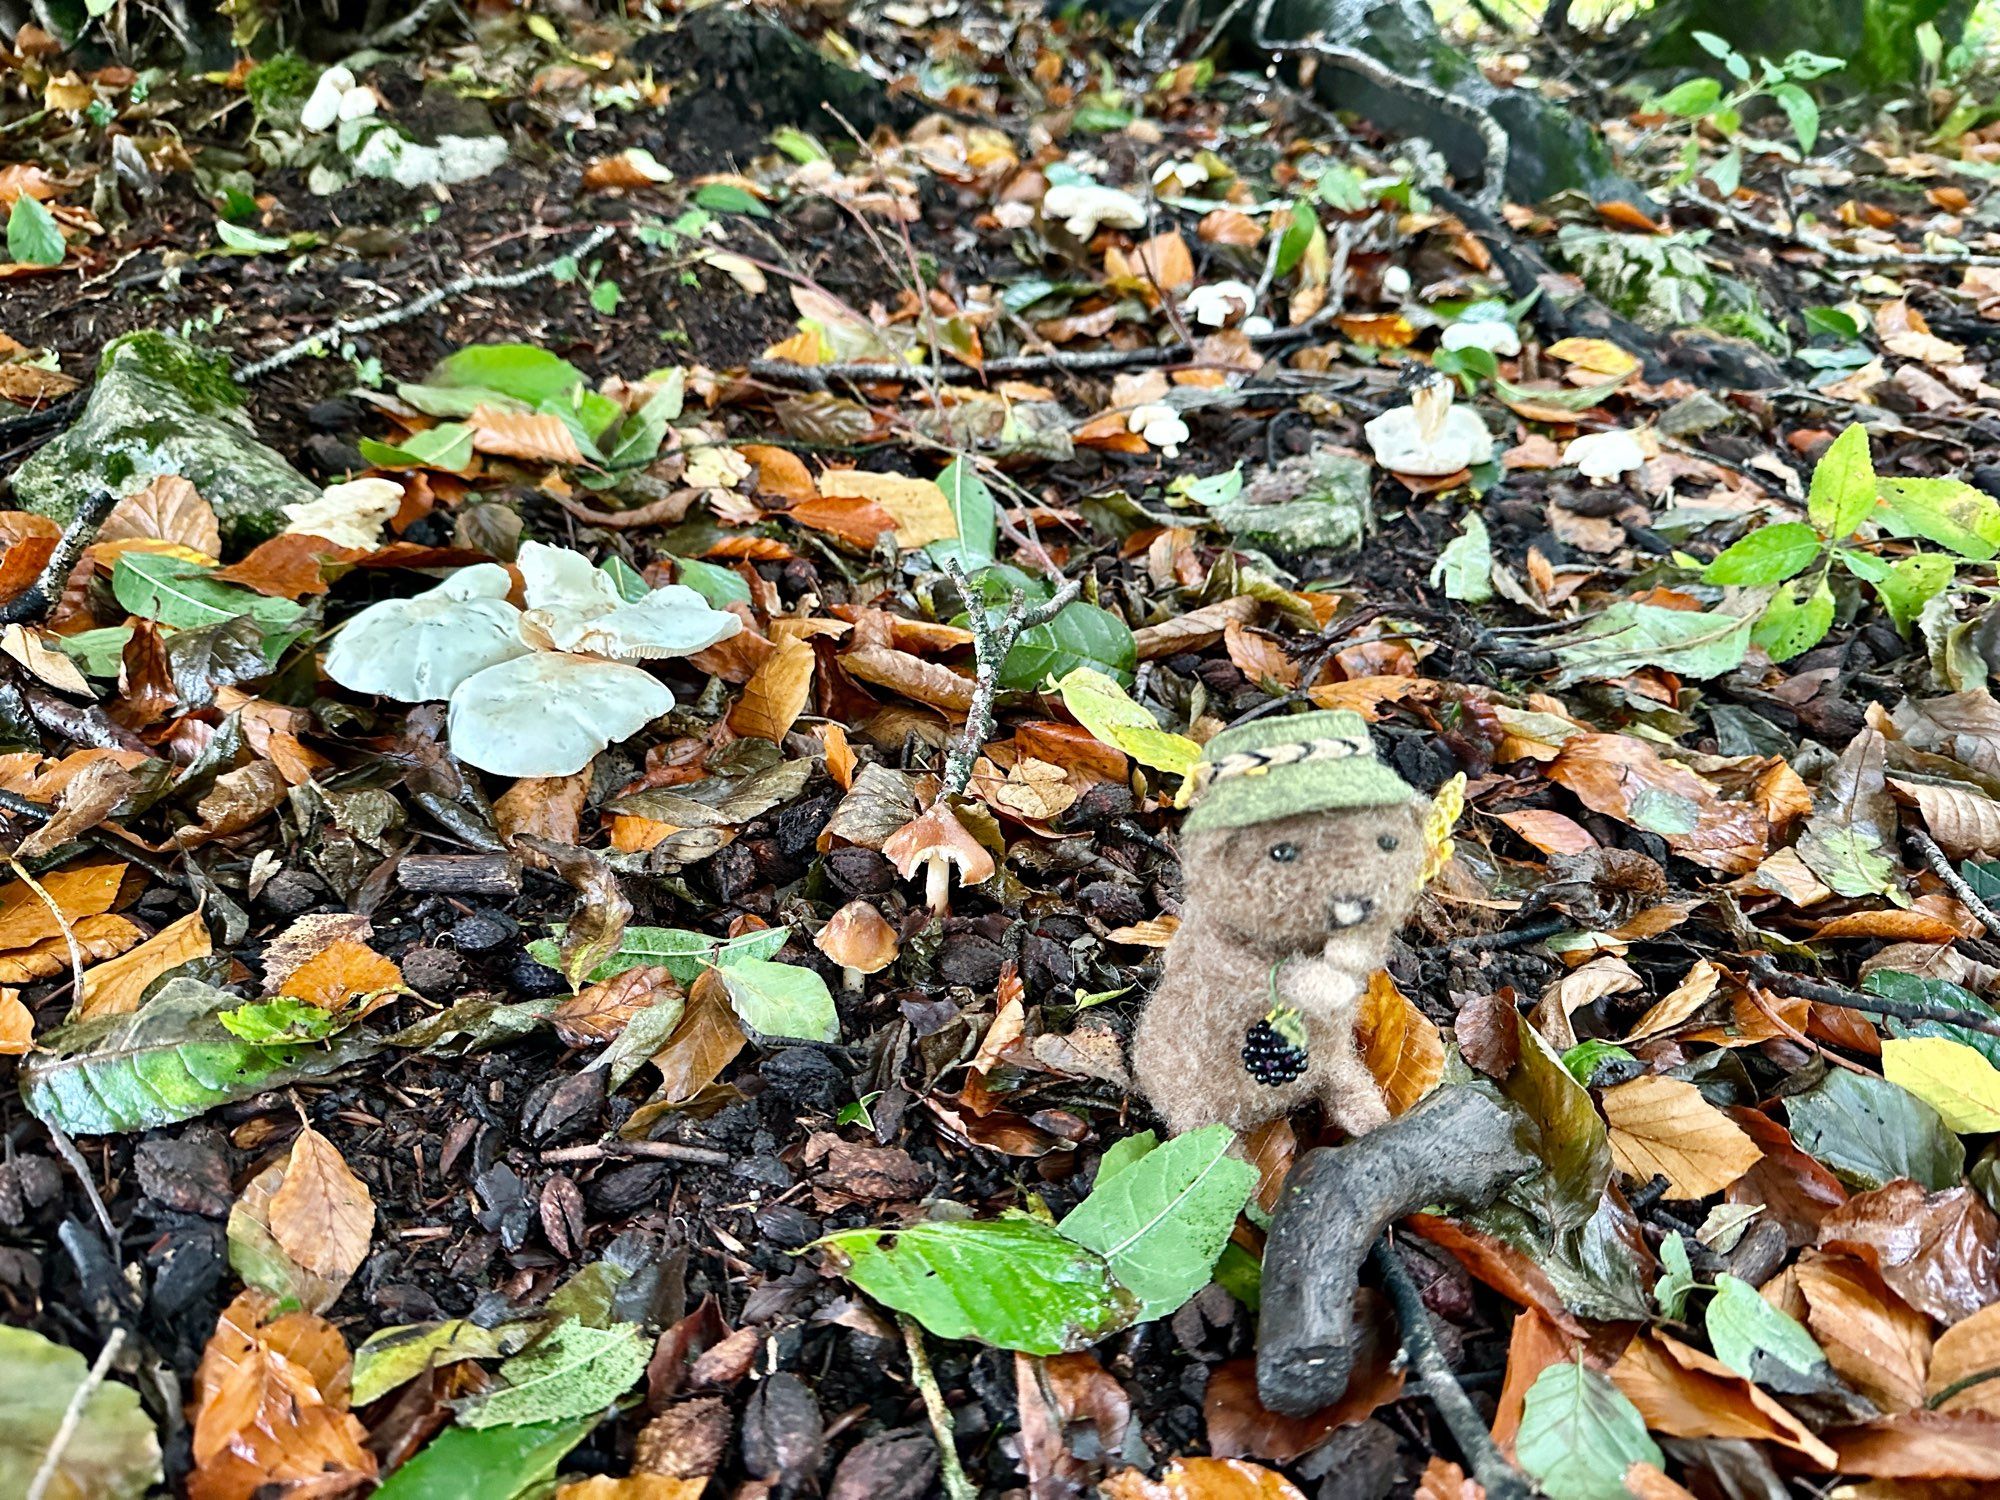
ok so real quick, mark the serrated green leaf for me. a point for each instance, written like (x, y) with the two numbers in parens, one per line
(1790, 625)
(169, 1060)
(1843, 484)
(33, 236)
(1100, 705)
(1768, 555)
(1908, 585)
(493, 1463)
(1957, 516)
(1013, 1283)
(1161, 1222)
(1870, 1132)
(684, 954)
(780, 1000)
(111, 1451)
(1579, 1434)
(572, 1371)
(281, 1019)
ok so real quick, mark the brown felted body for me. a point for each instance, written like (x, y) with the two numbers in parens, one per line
(1248, 907)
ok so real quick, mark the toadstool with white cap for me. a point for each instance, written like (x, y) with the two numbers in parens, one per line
(934, 843)
(856, 938)
(1430, 437)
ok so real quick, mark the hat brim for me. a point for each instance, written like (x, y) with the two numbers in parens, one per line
(1288, 791)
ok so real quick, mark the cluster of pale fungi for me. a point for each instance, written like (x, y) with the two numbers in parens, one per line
(536, 691)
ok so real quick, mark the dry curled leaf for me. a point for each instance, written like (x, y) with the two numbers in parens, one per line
(169, 509)
(539, 437)
(343, 973)
(776, 694)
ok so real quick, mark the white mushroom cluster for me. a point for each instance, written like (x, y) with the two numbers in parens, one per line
(1430, 437)
(536, 692)
(1084, 207)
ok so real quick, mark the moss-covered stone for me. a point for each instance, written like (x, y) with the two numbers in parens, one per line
(1317, 499)
(279, 87)
(161, 406)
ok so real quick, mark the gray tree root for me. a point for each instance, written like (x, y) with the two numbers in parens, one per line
(1458, 1146)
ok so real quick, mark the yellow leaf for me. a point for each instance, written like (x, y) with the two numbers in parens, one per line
(1953, 1079)
(633, 1487)
(1663, 1125)
(114, 987)
(1598, 357)
(343, 973)
(1101, 706)
(918, 506)
(81, 891)
(17, 1025)
(1438, 823)
(1402, 1048)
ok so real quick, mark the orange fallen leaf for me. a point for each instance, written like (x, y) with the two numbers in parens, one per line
(599, 1012)
(1401, 1046)
(776, 694)
(170, 509)
(343, 973)
(537, 436)
(114, 988)
(291, 565)
(17, 1025)
(322, 1215)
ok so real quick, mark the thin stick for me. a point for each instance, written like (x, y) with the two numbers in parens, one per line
(1940, 866)
(818, 377)
(1875, 1005)
(330, 336)
(73, 1159)
(956, 1485)
(991, 641)
(700, 1156)
(62, 923)
(40, 597)
(1490, 1466)
(73, 1415)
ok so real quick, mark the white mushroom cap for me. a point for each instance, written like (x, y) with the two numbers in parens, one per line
(348, 515)
(415, 649)
(573, 606)
(548, 714)
(1215, 303)
(1489, 334)
(322, 109)
(1604, 456)
(1083, 206)
(1160, 425)
(559, 578)
(1430, 437)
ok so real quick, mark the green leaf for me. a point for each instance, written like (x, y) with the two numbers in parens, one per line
(1870, 1132)
(606, 296)
(1465, 567)
(169, 1060)
(391, 1356)
(1579, 1434)
(1100, 705)
(1579, 400)
(1790, 625)
(1672, 1289)
(33, 237)
(1750, 1336)
(1769, 555)
(977, 516)
(727, 198)
(520, 372)
(1924, 990)
(99, 652)
(1843, 484)
(112, 1451)
(645, 1034)
(1300, 227)
(447, 446)
(1629, 635)
(1957, 516)
(1801, 109)
(1849, 860)
(684, 954)
(1911, 584)
(494, 1463)
(181, 593)
(281, 1019)
(780, 1000)
(1123, 1153)
(1691, 99)
(1013, 1283)
(720, 586)
(1586, 1057)
(1955, 1080)
(572, 1371)
(1161, 1222)
(1568, 1135)
(1081, 635)
(640, 435)
(236, 237)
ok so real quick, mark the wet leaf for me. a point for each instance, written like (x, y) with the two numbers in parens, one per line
(1663, 1125)
(1578, 1434)
(1871, 1132)
(572, 1371)
(322, 1216)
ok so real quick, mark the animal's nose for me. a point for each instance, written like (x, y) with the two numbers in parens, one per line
(1349, 911)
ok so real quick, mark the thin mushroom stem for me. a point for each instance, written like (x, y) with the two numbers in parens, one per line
(937, 884)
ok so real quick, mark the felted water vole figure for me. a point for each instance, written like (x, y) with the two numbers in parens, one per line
(1301, 855)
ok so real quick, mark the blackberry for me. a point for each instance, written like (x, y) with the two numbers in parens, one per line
(1274, 1049)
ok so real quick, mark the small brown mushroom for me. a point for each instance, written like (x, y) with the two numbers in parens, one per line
(934, 843)
(856, 938)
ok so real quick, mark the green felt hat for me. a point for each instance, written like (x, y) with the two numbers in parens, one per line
(1278, 768)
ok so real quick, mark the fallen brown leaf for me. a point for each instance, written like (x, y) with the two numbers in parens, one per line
(322, 1216)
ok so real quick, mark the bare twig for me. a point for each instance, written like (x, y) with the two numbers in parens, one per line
(956, 1485)
(45, 1476)
(329, 337)
(73, 1159)
(992, 639)
(40, 597)
(1502, 1481)
(1805, 239)
(62, 922)
(1777, 979)
(819, 377)
(700, 1156)
(1940, 866)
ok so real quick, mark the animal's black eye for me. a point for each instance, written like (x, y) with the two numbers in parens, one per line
(1387, 842)
(1284, 854)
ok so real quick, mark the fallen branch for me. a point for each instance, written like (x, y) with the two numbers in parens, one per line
(1773, 977)
(1457, 1146)
(40, 597)
(1940, 866)
(991, 641)
(700, 1156)
(1086, 361)
(1499, 1477)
